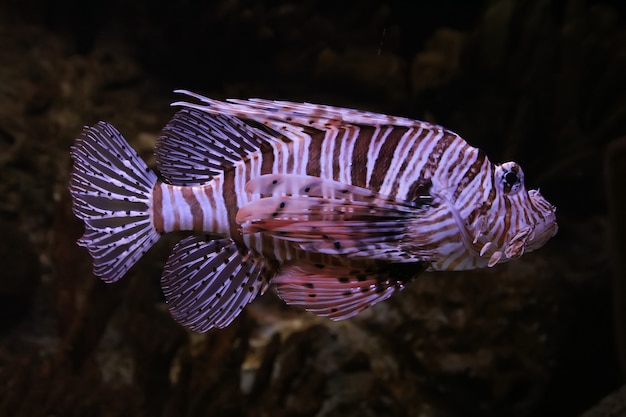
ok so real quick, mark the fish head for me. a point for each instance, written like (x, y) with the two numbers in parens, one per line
(525, 218)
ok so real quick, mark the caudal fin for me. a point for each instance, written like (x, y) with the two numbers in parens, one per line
(111, 189)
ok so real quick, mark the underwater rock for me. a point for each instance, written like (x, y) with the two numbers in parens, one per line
(613, 405)
(482, 342)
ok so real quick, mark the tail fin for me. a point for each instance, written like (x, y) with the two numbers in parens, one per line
(111, 188)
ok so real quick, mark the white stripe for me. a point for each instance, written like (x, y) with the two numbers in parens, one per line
(166, 208)
(378, 139)
(221, 211)
(239, 184)
(345, 155)
(326, 154)
(399, 155)
(415, 166)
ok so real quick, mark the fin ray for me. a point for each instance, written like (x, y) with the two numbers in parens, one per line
(208, 282)
(340, 291)
(330, 217)
(195, 146)
(111, 187)
(310, 186)
(288, 115)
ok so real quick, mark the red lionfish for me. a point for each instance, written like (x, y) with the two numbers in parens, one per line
(338, 208)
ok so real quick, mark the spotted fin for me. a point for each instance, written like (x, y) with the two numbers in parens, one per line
(348, 220)
(300, 197)
(194, 146)
(111, 189)
(341, 292)
(310, 186)
(208, 282)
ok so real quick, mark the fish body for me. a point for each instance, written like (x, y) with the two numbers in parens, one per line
(338, 208)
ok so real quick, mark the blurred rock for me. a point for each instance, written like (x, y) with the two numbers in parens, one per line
(613, 405)
(20, 275)
(363, 71)
(493, 332)
(439, 62)
(615, 161)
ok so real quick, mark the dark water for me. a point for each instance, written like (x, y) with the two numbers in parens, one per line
(541, 83)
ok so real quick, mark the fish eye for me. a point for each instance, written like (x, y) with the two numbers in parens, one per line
(511, 177)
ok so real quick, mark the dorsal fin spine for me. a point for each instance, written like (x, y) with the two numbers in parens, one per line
(195, 146)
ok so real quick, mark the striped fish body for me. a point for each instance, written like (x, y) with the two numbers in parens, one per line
(339, 208)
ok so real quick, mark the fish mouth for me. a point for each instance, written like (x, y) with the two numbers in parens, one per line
(530, 236)
(512, 248)
(527, 238)
(542, 233)
(546, 227)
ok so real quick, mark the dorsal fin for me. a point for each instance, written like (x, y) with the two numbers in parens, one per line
(195, 146)
(208, 282)
(341, 291)
(285, 114)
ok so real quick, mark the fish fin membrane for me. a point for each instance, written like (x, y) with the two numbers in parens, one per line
(111, 189)
(341, 291)
(195, 146)
(208, 282)
(311, 186)
(285, 115)
(330, 217)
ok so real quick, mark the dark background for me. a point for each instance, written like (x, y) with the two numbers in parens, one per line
(539, 82)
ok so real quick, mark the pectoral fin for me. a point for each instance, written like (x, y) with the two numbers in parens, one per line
(329, 217)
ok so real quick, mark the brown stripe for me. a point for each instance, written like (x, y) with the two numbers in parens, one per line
(521, 210)
(315, 152)
(385, 156)
(267, 161)
(359, 155)
(230, 200)
(208, 192)
(461, 258)
(340, 137)
(197, 214)
(492, 192)
(507, 221)
(444, 139)
(157, 207)
(412, 145)
(472, 171)
(487, 180)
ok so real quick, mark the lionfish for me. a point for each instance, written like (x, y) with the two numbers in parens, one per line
(338, 208)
